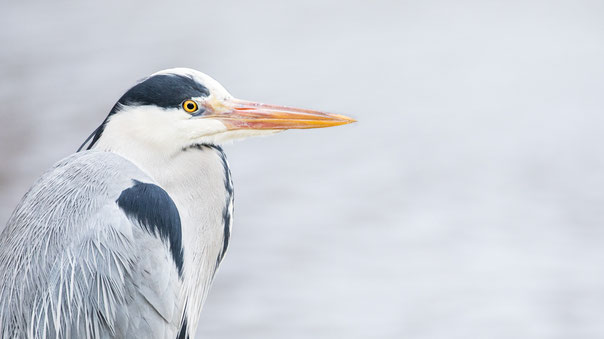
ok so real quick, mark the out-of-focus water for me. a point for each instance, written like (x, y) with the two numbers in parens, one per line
(467, 202)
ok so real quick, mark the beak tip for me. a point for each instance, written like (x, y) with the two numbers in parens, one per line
(344, 119)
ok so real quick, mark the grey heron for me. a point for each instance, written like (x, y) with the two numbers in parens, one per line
(122, 239)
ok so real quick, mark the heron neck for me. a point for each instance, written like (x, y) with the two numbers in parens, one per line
(198, 180)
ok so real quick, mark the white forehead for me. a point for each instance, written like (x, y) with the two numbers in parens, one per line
(214, 86)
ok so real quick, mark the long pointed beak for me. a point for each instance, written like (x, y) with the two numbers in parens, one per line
(241, 114)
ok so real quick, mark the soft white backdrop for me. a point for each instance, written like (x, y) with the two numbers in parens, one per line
(467, 202)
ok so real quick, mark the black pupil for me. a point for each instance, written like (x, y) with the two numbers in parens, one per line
(190, 106)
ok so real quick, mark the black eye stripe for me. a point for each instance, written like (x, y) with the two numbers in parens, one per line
(164, 90)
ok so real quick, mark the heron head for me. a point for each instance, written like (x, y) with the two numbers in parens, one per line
(180, 107)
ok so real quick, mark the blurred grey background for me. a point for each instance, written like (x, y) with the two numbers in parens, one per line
(467, 202)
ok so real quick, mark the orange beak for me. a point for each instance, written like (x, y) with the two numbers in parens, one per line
(240, 114)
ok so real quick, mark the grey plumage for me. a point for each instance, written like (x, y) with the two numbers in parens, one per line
(73, 264)
(77, 269)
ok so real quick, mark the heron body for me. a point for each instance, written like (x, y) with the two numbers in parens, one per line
(122, 240)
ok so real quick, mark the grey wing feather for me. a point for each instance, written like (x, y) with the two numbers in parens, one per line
(74, 265)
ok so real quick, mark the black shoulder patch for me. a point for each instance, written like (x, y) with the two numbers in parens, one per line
(156, 212)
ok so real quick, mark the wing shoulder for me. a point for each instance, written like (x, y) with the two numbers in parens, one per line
(93, 250)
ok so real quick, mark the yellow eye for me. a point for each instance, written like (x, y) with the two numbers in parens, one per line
(189, 106)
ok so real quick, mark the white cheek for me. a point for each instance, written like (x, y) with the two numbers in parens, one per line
(203, 128)
(144, 125)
